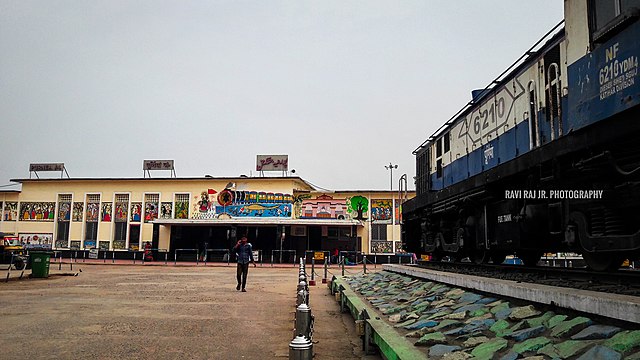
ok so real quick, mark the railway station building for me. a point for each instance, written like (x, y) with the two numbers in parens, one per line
(279, 215)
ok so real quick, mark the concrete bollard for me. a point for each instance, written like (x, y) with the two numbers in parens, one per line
(364, 264)
(302, 285)
(303, 321)
(300, 348)
(301, 298)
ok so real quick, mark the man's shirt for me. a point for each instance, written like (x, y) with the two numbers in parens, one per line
(245, 253)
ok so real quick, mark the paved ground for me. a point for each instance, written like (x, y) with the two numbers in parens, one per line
(165, 312)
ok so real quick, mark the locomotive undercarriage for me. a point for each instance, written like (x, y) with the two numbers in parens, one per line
(514, 213)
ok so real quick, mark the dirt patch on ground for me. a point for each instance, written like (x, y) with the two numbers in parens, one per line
(165, 312)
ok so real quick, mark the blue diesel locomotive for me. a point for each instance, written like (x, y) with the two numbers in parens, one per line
(547, 157)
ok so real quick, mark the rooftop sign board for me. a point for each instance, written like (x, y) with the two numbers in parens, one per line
(272, 163)
(157, 165)
(47, 167)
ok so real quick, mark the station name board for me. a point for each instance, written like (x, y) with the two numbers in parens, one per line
(272, 163)
(47, 167)
(157, 165)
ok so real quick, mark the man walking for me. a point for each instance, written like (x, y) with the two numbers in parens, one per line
(244, 252)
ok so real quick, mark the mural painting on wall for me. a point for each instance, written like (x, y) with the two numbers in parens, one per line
(136, 210)
(381, 247)
(36, 240)
(204, 205)
(89, 244)
(324, 207)
(182, 209)
(241, 204)
(37, 211)
(398, 246)
(254, 204)
(64, 211)
(398, 212)
(381, 211)
(62, 243)
(358, 206)
(10, 212)
(119, 244)
(77, 211)
(297, 204)
(103, 245)
(75, 245)
(121, 212)
(92, 212)
(165, 210)
(107, 209)
(150, 211)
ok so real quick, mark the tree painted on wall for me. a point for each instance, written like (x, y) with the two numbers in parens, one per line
(358, 205)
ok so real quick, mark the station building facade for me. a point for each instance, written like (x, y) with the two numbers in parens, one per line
(277, 214)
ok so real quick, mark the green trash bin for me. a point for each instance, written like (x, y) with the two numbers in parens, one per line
(40, 261)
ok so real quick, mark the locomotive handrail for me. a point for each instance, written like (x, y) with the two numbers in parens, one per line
(496, 81)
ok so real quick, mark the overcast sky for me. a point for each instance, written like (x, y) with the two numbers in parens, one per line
(342, 87)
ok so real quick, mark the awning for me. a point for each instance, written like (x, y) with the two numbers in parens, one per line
(259, 221)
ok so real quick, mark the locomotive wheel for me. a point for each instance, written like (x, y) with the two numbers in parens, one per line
(498, 257)
(603, 261)
(530, 258)
(479, 257)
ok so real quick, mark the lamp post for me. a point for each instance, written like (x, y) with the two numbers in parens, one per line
(390, 167)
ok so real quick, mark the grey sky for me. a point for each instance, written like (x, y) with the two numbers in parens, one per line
(342, 87)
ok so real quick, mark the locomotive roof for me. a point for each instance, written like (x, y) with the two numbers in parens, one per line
(533, 54)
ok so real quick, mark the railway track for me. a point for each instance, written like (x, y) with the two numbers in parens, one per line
(623, 282)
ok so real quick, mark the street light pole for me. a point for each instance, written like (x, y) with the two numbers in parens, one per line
(390, 167)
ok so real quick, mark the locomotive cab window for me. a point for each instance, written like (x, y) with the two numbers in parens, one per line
(607, 17)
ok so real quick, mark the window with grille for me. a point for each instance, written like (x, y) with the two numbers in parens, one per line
(91, 218)
(181, 210)
(378, 232)
(151, 204)
(64, 217)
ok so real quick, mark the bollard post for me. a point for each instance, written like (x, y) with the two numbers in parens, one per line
(104, 257)
(301, 296)
(71, 263)
(324, 279)
(166, 254)
(303, 321)
(175, 257)
(60, 260)
(302, 285)
(313, 277)
(388, 259)
(342, 266)
(364, 264)
(113, 257)
(300, 348)
(375, 261)
(75, 256)
(84, 256)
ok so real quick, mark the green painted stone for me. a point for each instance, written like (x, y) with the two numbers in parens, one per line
(529, 345)
(565, 349)
(540, 320)
(487, 350)
(555, 320)
(497, 308)
(570, 348)
(438, 315)
(432, 339)
(479, 312)
(475, 341)
(624, 342)
(524, 312)
(458, 355)
(457, 316)
(403, 324)
(454, 294)
(500, 327)
(495, 303)
(477, 318)
(568, 327)
(444, 324)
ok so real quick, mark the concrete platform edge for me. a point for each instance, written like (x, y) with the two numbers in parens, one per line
(621, 307)
(391, 344)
